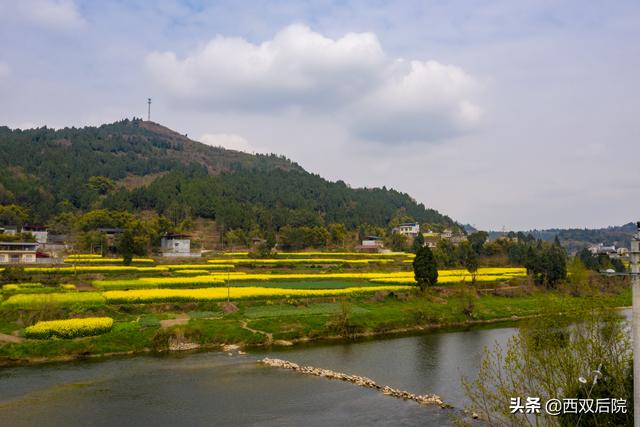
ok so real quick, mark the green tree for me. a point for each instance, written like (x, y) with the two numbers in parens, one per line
(126, 246)
(13, 215)
(418, 242)
(445, 254)
(477, 241)
(93, 242)
(338, 234)
(554, 265)
(588, 259)
(397, 242)
(237, 237)
(101, 184)
(618, 265)
(425, 268)
(577, 276)
(546, 359)
(471, 263)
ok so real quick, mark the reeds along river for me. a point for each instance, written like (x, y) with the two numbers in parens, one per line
(218, 389)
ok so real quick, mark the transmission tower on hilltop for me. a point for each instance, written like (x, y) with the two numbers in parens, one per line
(149, 109)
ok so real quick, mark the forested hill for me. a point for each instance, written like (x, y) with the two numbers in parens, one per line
(575, 239)
(139, 166)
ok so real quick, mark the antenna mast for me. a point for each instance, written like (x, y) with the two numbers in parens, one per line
(149, 110)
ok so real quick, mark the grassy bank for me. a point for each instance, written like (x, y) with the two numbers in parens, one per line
(159, 327)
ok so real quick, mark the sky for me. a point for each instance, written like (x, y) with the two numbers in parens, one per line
(501, 114)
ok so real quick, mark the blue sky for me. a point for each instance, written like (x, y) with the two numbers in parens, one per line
(498, 113)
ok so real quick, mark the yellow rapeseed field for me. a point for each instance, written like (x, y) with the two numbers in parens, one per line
(160, 282)
(297, 261)
(219, 277)
(444, 279)
(83, 256)
(445, 276)
(191, 272)
(218, 294)
(69, 328)
(328, 254)
(41, 300)
(221, 266)
(95, 269)
(76, 260)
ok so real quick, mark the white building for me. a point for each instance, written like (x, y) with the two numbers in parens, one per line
(408, 229)
(446, 234)
(18, 252)
(601, 249)
(178, 245)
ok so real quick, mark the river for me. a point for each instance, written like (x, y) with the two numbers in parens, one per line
(218, 389)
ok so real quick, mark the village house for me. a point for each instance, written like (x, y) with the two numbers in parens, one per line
(431, 239)
(602, 249)
(38, 231)
(446, 234)
(408, 229)
(18, 252)
(176, 245)
(9, 230)
(371, 244)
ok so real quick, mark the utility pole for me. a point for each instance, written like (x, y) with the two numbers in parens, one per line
(149, 109)
(634, 256)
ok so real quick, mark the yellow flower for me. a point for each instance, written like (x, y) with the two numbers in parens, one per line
(42, 300)
(70, 328)
(99, 260)
(221, 293)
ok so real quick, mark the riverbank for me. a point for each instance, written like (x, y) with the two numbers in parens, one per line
(146, 328)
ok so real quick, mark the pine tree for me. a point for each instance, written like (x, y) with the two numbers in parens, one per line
(418, 242)
(425, 268)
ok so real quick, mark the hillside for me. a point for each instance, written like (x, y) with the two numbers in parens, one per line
(136, 165)
(575, 239)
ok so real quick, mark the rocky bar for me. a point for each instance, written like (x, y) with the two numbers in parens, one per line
(425, 399)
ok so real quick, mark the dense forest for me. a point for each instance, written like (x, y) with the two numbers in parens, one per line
(140, 166)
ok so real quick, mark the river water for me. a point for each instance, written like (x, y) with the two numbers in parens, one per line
(217, 389)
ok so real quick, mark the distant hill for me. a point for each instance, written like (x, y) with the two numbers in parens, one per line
(137, 165)
(574, 239)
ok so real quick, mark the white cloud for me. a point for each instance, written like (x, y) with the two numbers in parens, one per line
(59, 15)
(420, 100)
(298, 67)
(230, 141)
(374, 96)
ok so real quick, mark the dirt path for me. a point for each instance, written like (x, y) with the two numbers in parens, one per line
(244, 325)
(182, 319)
(12, 339)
